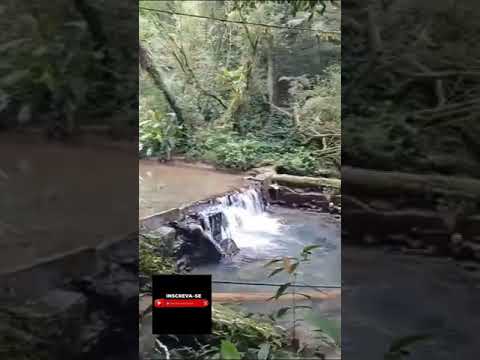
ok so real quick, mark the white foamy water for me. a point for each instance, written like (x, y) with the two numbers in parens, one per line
(247, 222)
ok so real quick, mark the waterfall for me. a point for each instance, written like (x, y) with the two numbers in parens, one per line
(244, 219)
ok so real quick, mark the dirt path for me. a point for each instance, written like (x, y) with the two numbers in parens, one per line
(163, 187)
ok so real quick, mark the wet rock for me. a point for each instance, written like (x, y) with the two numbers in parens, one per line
(229, 247)
(197, 243)
(165, 234)
(184, 264)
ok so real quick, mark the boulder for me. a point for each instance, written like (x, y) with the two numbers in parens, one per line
(197, 243)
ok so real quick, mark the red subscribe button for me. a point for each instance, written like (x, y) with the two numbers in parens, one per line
(180, 303)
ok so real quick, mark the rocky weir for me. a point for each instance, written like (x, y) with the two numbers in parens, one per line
(207, 231)
(233, 235)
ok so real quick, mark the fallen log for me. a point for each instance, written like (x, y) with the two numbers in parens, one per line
(305, 182)
(377, 182)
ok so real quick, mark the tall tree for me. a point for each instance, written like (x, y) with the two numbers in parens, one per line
(146, 64)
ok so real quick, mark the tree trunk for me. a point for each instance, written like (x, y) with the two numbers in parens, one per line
(393, 183)
(271, 74)
(146, 63)
(304, 181)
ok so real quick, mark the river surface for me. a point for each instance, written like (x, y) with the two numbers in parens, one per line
(163, 187)
(261, 233)
(55, 198)
(264, 233)
(282, 232)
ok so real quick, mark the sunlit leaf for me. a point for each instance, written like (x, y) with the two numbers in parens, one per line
(281, 290)
(229, 351)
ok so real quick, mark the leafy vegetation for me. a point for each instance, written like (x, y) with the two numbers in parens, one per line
(155, 256)
(216, 91)
(61, 65)
(328, 331)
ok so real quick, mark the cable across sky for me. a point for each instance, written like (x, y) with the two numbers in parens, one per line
(331, 33)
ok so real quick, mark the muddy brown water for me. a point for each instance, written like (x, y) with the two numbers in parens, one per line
(164, 186)
(56, 198)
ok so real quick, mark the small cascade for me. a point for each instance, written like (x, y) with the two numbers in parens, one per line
(241, 217)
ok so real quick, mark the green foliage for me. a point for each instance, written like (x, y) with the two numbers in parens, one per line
(157, 135)
(227, 149)
(228, 351)
(218, 75)
(56, 69)
(155, 257)
(52, 69)
(312, 6)
(329, 331)
(246, 331)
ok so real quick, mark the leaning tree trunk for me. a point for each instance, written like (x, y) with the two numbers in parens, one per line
(147, 64)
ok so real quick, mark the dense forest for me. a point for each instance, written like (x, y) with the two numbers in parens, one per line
(242, 84)
(68, 65)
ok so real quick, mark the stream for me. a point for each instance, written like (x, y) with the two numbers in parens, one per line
(262, 233)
